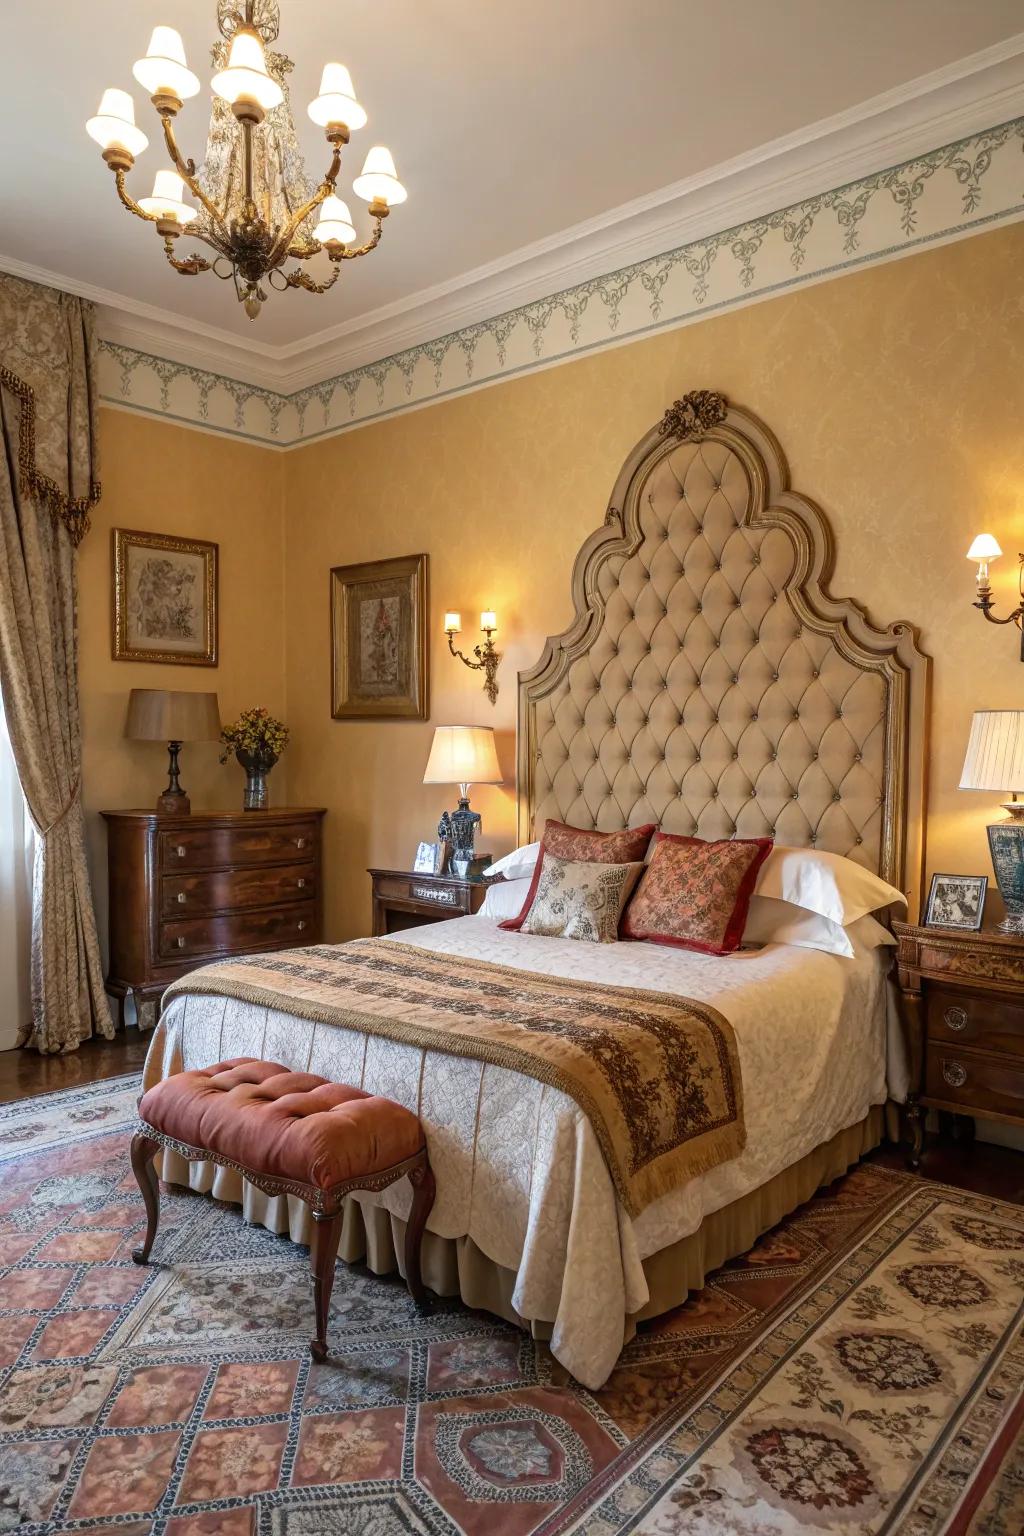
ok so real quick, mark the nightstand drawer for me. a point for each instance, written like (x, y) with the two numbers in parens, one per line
(237, 931)
(981, 1020)
(435, 893)
(972, 1082)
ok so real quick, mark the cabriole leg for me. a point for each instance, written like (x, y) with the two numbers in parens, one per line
(143, 1151)
(423, 1188)
(322, 1256)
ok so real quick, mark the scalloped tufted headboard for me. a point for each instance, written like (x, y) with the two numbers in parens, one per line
(709, 682)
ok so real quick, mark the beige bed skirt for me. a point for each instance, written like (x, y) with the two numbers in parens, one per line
(456, 1266)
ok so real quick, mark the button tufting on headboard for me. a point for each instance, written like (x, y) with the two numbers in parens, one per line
(709, 682)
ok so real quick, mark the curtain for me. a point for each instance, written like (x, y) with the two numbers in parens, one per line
(48, 482)
(16, 854)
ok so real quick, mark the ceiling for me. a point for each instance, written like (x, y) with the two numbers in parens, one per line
(509, 122)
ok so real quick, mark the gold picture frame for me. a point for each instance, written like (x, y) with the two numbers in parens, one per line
(165, 599)
(379, 644)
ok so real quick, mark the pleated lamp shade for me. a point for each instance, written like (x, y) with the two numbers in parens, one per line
(995, 751)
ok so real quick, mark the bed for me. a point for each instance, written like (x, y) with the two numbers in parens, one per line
(708, 683)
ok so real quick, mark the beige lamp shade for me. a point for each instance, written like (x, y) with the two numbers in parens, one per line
(162, 714)
(463, 754)
(995, 751)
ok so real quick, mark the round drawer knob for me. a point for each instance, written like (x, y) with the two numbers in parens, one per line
(954, 1074)
(180, 850)
(301, 884)
(181, 898)
(955, 1018)
(302, 924)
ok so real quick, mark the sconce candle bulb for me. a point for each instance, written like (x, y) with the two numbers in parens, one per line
(487, 658)
(984, 550)
(452, 623)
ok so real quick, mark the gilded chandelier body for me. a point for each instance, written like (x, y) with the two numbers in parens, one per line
(255, 202)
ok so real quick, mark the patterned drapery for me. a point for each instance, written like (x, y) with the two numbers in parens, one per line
(48, 482)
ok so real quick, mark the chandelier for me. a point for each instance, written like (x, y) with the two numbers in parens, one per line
(254, 203)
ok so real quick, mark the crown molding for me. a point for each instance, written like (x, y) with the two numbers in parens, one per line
(936, 109)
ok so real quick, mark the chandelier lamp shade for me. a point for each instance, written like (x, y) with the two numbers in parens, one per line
(250, 199)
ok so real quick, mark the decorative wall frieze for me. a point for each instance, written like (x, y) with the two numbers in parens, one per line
(949, 193)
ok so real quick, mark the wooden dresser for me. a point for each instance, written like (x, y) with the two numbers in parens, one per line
(185, 890)
(963, 1002)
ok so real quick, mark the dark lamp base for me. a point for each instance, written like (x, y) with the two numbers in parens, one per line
(174, 803)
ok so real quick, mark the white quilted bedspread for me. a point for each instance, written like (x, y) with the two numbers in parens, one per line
(518, 1167)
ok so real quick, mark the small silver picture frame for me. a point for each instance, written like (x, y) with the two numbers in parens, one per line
(430, 859)
(956, 901)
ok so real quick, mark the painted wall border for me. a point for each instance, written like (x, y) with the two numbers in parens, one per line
(954, 191)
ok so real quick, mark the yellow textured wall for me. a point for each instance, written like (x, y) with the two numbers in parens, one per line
(896, 395)
(169, 479)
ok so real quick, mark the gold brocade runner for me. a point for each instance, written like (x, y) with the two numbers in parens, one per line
(657, 1076)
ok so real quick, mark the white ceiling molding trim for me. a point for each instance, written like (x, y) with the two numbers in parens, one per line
(935, 196)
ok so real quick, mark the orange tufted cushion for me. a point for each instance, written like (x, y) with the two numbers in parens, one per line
(288, 1125)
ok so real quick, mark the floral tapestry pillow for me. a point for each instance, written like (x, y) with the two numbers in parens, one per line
(695, 895)
(627, 846)
(580, 901)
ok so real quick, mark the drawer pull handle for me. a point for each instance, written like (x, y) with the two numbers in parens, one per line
(180, 850)
(181, 943)
(302, 924)
(300, 842)
(954, 1073)
(955, 1018)
(301, 884)
(181, 897)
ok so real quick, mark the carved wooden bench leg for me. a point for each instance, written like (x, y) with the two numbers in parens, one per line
(322, 1257)
(423, 1189)
(143, 1151)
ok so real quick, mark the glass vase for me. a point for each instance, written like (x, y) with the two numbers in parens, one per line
(257, 766)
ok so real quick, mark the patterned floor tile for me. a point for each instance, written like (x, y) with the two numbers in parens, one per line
(244, 1391)
(73, 1335)
(14, 1335)
(350, 1447)
(34, 1472)
(223, 1522)
(105, 1286)
(158, 1394)
(229, 1463)
(359, 1381)
(125, 1474)
(80, 1248)
(35, 1289)
(459, 1364)
(54, 1396)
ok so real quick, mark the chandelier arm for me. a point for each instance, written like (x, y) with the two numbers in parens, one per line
(189, 266)
(325, 189)
(304, 251)
(361, 250)
(187, 171)
(129, 201)
(300, 279)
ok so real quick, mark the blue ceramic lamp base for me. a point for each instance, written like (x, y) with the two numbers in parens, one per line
(1006, 845)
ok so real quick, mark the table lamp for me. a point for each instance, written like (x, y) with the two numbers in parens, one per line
(995, 761)
(160, 714)
(462, 755)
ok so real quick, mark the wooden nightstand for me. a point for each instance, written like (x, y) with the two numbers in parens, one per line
(404, 900)
(963, 1000)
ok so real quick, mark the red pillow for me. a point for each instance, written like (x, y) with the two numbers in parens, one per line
(625, 847)
(695, 895)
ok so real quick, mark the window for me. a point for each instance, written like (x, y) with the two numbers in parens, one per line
(17, 846)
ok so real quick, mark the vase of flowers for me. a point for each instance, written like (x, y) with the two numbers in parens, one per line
(257, 741)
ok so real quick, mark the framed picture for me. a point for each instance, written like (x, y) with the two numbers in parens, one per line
(956, 901)
(379, 640)
(165, 599)
(431, 859)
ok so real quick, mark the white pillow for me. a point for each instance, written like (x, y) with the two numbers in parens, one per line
(825, 883)
(520, 862)
(506, 899)
(770, 921)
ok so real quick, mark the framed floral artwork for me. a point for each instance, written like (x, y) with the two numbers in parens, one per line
(379, 654)
(165, 599)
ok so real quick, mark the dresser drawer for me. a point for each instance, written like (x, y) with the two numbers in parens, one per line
(971, 1082)
(981, 1020)
(224, 890)
(187, 937)
(258, 843)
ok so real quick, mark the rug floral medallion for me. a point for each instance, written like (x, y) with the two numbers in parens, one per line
(861, 1370)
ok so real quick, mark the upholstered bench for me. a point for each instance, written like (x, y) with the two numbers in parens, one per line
(289, 1133)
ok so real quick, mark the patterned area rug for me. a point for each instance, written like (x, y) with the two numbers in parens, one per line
(860, 1370)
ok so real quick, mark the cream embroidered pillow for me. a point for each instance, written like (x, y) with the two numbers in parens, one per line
(580, 901)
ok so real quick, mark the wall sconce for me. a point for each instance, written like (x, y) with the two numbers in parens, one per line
(487, 658)
(984, 550)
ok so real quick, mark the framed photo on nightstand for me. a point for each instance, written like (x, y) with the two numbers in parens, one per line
(956, 901)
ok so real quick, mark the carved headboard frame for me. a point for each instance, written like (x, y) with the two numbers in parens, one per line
(590, 720)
